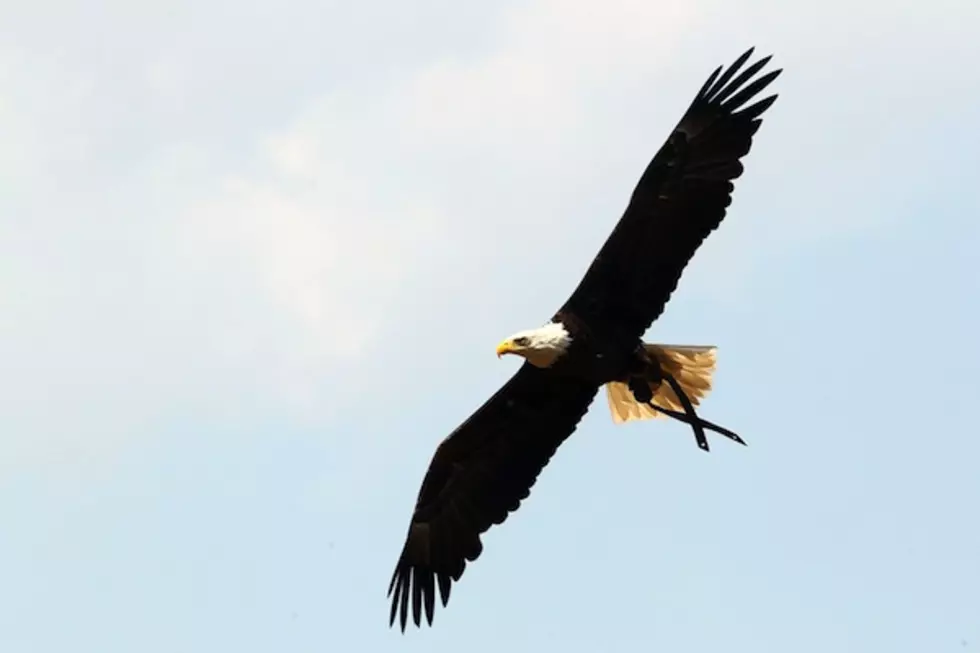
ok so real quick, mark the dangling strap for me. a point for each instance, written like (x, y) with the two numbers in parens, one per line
(689, 416)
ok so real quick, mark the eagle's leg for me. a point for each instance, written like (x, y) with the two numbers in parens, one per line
(641, 389)
(645, 376)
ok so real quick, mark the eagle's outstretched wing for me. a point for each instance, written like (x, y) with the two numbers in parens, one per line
(679, 200)
(478, 475)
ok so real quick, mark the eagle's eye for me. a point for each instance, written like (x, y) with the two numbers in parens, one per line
(521, 341)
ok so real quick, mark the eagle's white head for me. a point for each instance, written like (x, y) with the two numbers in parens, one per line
(541, 347)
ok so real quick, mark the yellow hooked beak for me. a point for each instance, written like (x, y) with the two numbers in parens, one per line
(506, 347)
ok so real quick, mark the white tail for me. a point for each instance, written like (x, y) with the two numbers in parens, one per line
(691, 366)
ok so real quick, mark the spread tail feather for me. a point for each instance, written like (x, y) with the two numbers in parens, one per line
(691, 366)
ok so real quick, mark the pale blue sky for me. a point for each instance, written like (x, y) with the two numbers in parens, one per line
(219, 222)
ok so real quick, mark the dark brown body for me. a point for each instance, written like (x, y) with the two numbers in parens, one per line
(598, 357)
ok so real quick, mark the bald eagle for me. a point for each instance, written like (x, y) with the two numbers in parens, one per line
(484, 469)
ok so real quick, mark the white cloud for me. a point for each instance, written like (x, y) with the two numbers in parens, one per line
(189, 251)
(553, 55)
(347, 208)
(319, 246)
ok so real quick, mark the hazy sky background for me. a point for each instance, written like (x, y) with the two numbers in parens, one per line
(254, 259)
